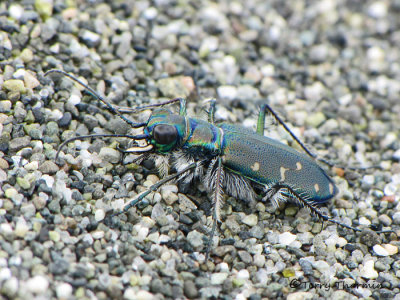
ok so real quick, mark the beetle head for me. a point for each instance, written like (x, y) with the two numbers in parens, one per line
(165, 130)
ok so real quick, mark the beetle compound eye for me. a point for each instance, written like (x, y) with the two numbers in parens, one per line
(165, 134)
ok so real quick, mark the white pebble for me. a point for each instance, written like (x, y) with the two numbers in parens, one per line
(243, 274)
(6, 229)
(379, 250)
(21, 228)
(74, 99)
(268, 70)
(388, 140)
(321, 266)
(364, 221)
(37, 284)
(223, 267)
(164, 239)
(16, 11)
(132, 294)
(56, 115)
(391, 249)
(99, 215)
(375, 54)
(341, 242)
(150, 13)
(378, 9)
(88, 238)
(227, 92)
(209, 44)
(286, 238)
(32, 166)
(64, 290)
(49, 180)
(141, 232)
(91, 36)
(368, 180)
(390, 189)
(147, 222)
(396, 154)
(97, 235)
(396, 179)
(300, 295)
(5, 273)
(314, 92)
(55, 48)
(368, 270)
(218, 278)
(10, 286)
(259, 260)
(250, 220)
(345, 99)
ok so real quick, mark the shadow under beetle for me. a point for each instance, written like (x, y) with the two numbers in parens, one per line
(225, 157)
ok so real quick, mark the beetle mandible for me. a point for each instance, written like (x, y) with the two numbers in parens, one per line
(225, 157)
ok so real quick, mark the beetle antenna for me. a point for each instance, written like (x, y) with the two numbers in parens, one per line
(97, 96)
(133, 137)
(140, 108)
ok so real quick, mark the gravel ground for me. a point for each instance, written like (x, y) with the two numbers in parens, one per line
(330, 68)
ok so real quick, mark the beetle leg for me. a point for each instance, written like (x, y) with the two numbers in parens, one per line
(261, 124)
(260, 130)
(283, 192)
(211, 111)
(217, 197)
(136, 160)
(152, 188)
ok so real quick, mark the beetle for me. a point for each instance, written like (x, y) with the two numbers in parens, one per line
(224, 157)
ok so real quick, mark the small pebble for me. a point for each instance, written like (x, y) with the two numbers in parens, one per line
(10, 287)
(110, 155)
(286, 238)
(54, 236)
(64, 290)
(14, 85)
(5, 106)
(391, 249)
(37, 284)
(218, 278)
(21, 228)
(99, 215)
(250, 220)
(97, 235)
(228, 92)
(195, 239)
(368, 271)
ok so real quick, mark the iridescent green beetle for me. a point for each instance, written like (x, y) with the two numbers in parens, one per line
(225, 157)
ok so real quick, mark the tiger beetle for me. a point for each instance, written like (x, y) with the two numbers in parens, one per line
(224, 157)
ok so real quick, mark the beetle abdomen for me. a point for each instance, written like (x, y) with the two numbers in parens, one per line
(267, 161)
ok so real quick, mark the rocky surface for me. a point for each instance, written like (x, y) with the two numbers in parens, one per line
(329, 68)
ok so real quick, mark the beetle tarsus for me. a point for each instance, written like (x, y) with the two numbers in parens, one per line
(276, 190)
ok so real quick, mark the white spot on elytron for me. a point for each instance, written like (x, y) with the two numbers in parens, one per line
(299, 166)
(255, 167)
(283, 170)
(316, 187)
(331, 188)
